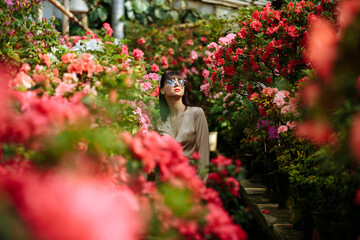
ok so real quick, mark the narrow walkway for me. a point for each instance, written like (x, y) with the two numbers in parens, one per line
(274, 222)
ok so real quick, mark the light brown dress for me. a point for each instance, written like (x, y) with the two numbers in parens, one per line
(193, 135)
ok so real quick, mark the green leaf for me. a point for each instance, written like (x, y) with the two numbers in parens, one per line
(102, 13)
(178, 200)
(150, 18)
(28, 23)
(160, 14)
(128, 6)
(142, 19)
(174, 15)
(140, 6)
(99, 14)
(159, 2)
(130, 15)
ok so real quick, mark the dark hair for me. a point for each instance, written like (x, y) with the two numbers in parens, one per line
(164, 108)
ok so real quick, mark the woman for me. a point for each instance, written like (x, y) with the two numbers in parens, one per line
(184, 123)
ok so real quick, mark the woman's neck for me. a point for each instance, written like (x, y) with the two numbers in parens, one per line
(176, 106)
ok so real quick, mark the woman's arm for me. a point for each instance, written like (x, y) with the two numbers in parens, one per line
(202, 142)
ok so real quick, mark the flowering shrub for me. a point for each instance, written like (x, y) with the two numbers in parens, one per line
(267, 49)
(20, 36)
(276, 110)
(263, 50)
(66, 122)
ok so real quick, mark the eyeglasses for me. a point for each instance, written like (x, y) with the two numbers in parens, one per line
(172, 82)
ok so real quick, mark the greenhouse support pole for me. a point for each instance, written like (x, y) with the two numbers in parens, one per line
(65, 21)
(40, 11)
(117, 12)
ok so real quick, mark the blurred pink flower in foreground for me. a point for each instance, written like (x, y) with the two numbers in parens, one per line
(62, 205)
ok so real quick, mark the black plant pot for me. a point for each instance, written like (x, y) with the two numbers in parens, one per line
(282, 185)
(323, 224)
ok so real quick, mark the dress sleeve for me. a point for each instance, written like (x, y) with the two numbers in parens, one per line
(202, 142)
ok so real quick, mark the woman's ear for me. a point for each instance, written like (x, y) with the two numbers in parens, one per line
(162, 91)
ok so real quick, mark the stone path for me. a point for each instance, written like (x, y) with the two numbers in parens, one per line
(274, 222)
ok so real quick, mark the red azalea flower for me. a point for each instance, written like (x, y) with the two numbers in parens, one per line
(108, 29)
(233, 185)
(137, 54)
(256, 15)
(229, 70)
(141, 41)
(256, 25)
(124, 50)
(154, 68)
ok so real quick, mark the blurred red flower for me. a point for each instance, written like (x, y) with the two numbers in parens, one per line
(317, 131)
(321, 49)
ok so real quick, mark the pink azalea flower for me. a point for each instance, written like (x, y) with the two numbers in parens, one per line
(141, 41)
(64, 87)
(254, 96)
(227, 40)
(68, 57)
(25, 68)
(46, 59)
(124, 50)
(194, 55)
(108, 29)
(279, 99)
(212, 45)
(282, 129)
(205, 88)
(269, 91)
(153, 76)
(22, 79)
(145, 86)
(155, 68)
(165, 61)
(205, 74)
(137, 54)
(290, 125)
(189, 42)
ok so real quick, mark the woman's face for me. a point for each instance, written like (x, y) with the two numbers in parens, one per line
(175, 86)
